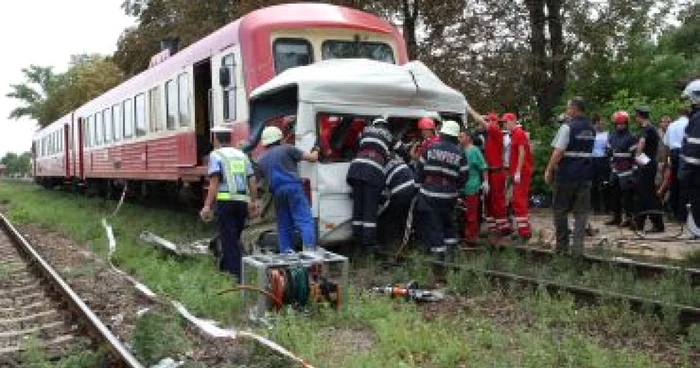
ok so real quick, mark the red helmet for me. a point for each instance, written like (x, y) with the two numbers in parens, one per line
(492, 117)
(509, 116)
(426, 123)
(621, 117)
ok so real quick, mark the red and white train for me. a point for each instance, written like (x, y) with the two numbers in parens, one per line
(154, 128)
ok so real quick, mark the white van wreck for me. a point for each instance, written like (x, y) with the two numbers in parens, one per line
(328, 104)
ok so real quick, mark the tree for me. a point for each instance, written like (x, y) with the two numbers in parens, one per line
(16, 164)
(40, 84)
(47, 96)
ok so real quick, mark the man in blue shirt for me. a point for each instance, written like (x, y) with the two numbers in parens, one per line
(601, 167)
(292, 210)
(232, 184)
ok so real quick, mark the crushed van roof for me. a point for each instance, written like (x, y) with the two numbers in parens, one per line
(367, 82)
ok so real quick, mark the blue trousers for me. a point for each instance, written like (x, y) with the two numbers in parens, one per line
(231, 216)
(293, 211)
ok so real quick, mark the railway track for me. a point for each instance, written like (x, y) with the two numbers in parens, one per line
(640, 269)
(687, 315)
(35, 302)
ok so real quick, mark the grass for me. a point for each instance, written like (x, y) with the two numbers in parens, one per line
(489, 329)
(79, 356)
(193, 281)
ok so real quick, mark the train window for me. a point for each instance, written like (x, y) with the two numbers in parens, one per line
(107, 121)
(99, 129)
(155, 109)
(171, 104)
(230, 90)
(90, 130)
(291, 52)
(183, 82)
(140, 114)
(337, 49)
(128, 107)
(118, 122)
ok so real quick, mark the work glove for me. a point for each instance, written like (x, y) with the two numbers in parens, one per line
(516, 178)
(485, 187)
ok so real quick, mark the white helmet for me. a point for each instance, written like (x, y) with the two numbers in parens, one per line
(692, 92)
(379, 121)
(270, 135)
(450, 128)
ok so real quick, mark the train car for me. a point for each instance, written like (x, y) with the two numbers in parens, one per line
(51, 162)
(154, 128)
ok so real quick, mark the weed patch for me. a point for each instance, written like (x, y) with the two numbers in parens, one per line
(158, 335)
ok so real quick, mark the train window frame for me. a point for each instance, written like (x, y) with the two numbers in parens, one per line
(99, 128)
(228, 93)
(117, 122)
(184, 120)
(129, 102)
(295, 41)
(326, 43)
(155, 107)
(142, 109)
(108, 125)
(171, 112)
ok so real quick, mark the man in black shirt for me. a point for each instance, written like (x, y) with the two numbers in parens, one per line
(647, 203)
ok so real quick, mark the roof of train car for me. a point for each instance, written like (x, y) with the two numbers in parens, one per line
(259, 22)
(66, 119)
(367, 82)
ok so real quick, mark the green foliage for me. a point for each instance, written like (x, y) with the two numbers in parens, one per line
(16, 164)
(77, 356)
(47, 96)
(159, 335)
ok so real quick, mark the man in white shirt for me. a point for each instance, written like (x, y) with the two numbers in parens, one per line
(673, 139)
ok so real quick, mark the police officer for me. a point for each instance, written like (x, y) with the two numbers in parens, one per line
(622, 145)
(647, 201)
(689, 170)
(366, 177)
(441, 172)
(399, 193)
(232, 184)
(292, 210)
(572, 159)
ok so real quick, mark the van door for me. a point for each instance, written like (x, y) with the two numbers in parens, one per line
(337, 138)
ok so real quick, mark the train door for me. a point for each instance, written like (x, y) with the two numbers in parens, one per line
(80, 143)
(67, 150)
(202, 107)
(229, 101)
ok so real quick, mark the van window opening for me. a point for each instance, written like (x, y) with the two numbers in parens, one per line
(338, 49)
(338, 136)
(291, 52)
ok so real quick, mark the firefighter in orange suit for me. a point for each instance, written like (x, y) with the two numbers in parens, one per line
(521, 166)
(496, 212)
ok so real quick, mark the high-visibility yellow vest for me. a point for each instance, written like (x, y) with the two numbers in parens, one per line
(234, 172)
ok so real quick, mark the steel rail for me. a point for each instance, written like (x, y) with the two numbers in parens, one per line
(687, 315)
(77, 305)
(641, 269)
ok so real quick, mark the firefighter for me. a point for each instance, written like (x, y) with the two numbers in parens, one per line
(572, 159)
(426, 126)
(441, 172)
(521, 166)
(278, 165)
(234, 188)
(647, 201)
(689, 170)
(399, 192)
(478, 177)
(496, 212)
(622, 145)
(366, 177)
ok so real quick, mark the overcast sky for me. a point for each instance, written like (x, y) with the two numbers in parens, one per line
(47, 33)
